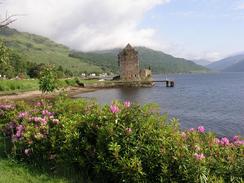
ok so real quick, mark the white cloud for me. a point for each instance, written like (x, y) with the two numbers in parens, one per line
(182, 51)
(86, 24)
(240, 6)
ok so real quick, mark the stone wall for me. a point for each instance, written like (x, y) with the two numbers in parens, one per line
(129, 64)
(145, 74)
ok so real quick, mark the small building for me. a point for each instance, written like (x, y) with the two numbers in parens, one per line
(145, 74)
(92, 74)
(129, 64)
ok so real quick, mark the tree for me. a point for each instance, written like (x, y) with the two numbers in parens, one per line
(5, 66)
(7, 20)
(35, 70)
(48, 80)
(60, 72)
(18, 62)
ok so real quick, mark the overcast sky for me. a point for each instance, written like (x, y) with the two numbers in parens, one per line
(193, 29)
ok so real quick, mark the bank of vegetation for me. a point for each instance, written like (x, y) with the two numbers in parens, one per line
(121, 142)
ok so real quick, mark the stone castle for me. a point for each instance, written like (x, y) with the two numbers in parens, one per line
(128, 61)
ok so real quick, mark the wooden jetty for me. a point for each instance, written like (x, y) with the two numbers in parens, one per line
(169, 83)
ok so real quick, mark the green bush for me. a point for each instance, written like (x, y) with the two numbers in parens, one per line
(123, 142)
(48, 80)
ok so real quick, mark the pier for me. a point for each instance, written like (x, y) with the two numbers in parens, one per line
(169, 83)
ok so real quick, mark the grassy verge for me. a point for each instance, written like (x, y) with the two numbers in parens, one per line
(7, 86)
(11, 172)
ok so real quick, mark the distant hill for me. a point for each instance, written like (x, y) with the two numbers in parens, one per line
(230, 64)
(238, 67)
(157, 60)
(202, 62)
(39, 49)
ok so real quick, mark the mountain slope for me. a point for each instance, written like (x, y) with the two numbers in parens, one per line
(238, 67)
(157, 60)
(39, 49)
(202, 62)
(229, 62)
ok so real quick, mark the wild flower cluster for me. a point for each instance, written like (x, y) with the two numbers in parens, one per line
(121, 142)
(6, 107)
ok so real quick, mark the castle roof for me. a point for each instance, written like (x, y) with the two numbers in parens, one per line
(128, 48)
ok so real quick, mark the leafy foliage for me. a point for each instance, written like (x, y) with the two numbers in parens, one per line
(123, 142)
(5, 68)
(48, 80)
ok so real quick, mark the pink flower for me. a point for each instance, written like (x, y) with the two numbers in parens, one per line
(216, 141)
(224, 141)
(199, 156)
(43, 121)
(36, 119)
(114, 109)
(201, 129)
(23, 115)
(183, 135)
(46, 113)
(19, 131)
(38, 104)
(239, 142)
(55, 121)
(191, 129)
(6, 106)
(235, 138)
(127, 104)
(128, 130)
(27, 152)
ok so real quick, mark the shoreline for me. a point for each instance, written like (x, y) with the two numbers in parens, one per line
(71, 92)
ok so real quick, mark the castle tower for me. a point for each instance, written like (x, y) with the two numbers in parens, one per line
(129, 64)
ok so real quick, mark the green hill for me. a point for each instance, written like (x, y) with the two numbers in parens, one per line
(39, 49)
(157, 60)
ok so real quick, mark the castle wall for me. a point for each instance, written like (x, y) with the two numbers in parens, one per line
(129, 64)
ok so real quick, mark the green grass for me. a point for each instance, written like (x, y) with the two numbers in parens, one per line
(12, 86)
(18, 85)
(12, 172)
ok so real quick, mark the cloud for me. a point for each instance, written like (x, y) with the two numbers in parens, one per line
(182, 51)
(86, 24)
(240, 6)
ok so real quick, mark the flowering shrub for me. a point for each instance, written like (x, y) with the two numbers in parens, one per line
(122, 142)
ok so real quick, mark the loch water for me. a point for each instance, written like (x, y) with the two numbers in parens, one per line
(214, 100)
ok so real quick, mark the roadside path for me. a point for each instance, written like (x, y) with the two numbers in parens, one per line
(71, 91)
